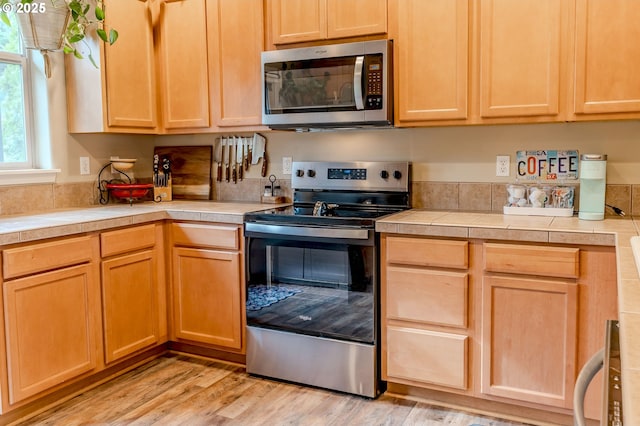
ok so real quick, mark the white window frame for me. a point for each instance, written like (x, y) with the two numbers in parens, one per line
(27, 99)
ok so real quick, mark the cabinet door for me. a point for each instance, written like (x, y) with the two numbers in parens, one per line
(50, 329)
(522, 50)
(431, 57)
(349, 18)
(182, 64)
(129, 69)
(129, 304)
(236, 40)
(294, 21)
(529, 339)
(607, 57)
(207, 296)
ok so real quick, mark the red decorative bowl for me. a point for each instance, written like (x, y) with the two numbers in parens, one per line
(129, 191)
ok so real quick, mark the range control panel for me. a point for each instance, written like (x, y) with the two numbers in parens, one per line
(357, 175)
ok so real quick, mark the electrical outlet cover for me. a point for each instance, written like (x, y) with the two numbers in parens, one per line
(502, 165)
(286, 165)
(85, 168)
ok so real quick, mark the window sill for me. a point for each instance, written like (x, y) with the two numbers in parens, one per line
(28, 176)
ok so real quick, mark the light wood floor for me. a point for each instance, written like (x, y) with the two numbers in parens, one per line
(180, 390)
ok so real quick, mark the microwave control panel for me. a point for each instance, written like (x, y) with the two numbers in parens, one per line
(373, 67)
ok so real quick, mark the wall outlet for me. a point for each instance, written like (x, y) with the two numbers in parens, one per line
(85, 168)
(502, 165)
(286, 165)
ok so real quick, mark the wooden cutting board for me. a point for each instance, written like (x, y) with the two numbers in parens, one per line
(190, 170)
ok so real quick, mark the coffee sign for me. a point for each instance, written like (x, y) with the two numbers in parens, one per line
(547, 165)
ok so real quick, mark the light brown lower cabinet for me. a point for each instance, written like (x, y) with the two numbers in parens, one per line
(133, 290)
(529, 339)
(425, 290)
(502, 322)
(51, 316)
(208, 297)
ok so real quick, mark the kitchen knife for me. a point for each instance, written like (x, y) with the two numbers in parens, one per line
(239, 156)
(156, 167)
(258, 147)
(232, 153)
(219, 160)
(263, 171)
(225, 157)
(245, 153)
(250, 152)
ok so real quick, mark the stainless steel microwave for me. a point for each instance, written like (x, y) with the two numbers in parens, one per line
(338, 85)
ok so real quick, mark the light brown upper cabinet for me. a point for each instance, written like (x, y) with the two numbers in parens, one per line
(236, 38)
(470, 62)
(179, 66)
(522, 55)
(607, 59)
(431, 60)
(154, 79)
(295, 21)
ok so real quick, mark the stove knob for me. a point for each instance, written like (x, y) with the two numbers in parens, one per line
(397, 174)
(311, 173)
(300, 173)
(384, 174)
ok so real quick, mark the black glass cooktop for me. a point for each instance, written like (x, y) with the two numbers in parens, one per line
(341, 208)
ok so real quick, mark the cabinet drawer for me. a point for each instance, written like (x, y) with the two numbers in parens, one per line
(46, 256)
(427, 356)
(438, 297)
(532, 260)
(217, 236)
(127, 240)
(427, 252)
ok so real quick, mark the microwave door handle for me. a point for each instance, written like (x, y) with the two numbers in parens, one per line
(357, 82)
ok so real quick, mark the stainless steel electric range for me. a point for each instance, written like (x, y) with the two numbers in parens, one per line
(313, 276)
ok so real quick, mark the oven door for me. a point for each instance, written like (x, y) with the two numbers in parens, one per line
(314, 281)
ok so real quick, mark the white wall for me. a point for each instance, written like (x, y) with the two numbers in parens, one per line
(457, 154)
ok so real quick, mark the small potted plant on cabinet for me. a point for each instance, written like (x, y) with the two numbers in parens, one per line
(49, 25)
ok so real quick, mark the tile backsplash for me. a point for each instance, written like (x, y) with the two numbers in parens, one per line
(457, 196)
(491, 197)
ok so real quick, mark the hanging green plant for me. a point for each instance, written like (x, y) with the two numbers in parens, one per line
(76, 19)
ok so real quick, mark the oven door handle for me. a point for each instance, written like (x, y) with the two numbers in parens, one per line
(305, 231)
(587, 374)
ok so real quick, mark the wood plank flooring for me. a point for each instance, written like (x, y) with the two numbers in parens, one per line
(181, 390)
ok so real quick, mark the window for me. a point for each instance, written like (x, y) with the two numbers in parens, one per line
(15, 134)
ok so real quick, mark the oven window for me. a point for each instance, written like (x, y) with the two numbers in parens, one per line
(318, 289)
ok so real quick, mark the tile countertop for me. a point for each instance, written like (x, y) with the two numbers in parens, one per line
(57, 223)
(621, 233)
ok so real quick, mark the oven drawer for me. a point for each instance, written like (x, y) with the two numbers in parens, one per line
(436, 297)
(428, 252)
(214, 236)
